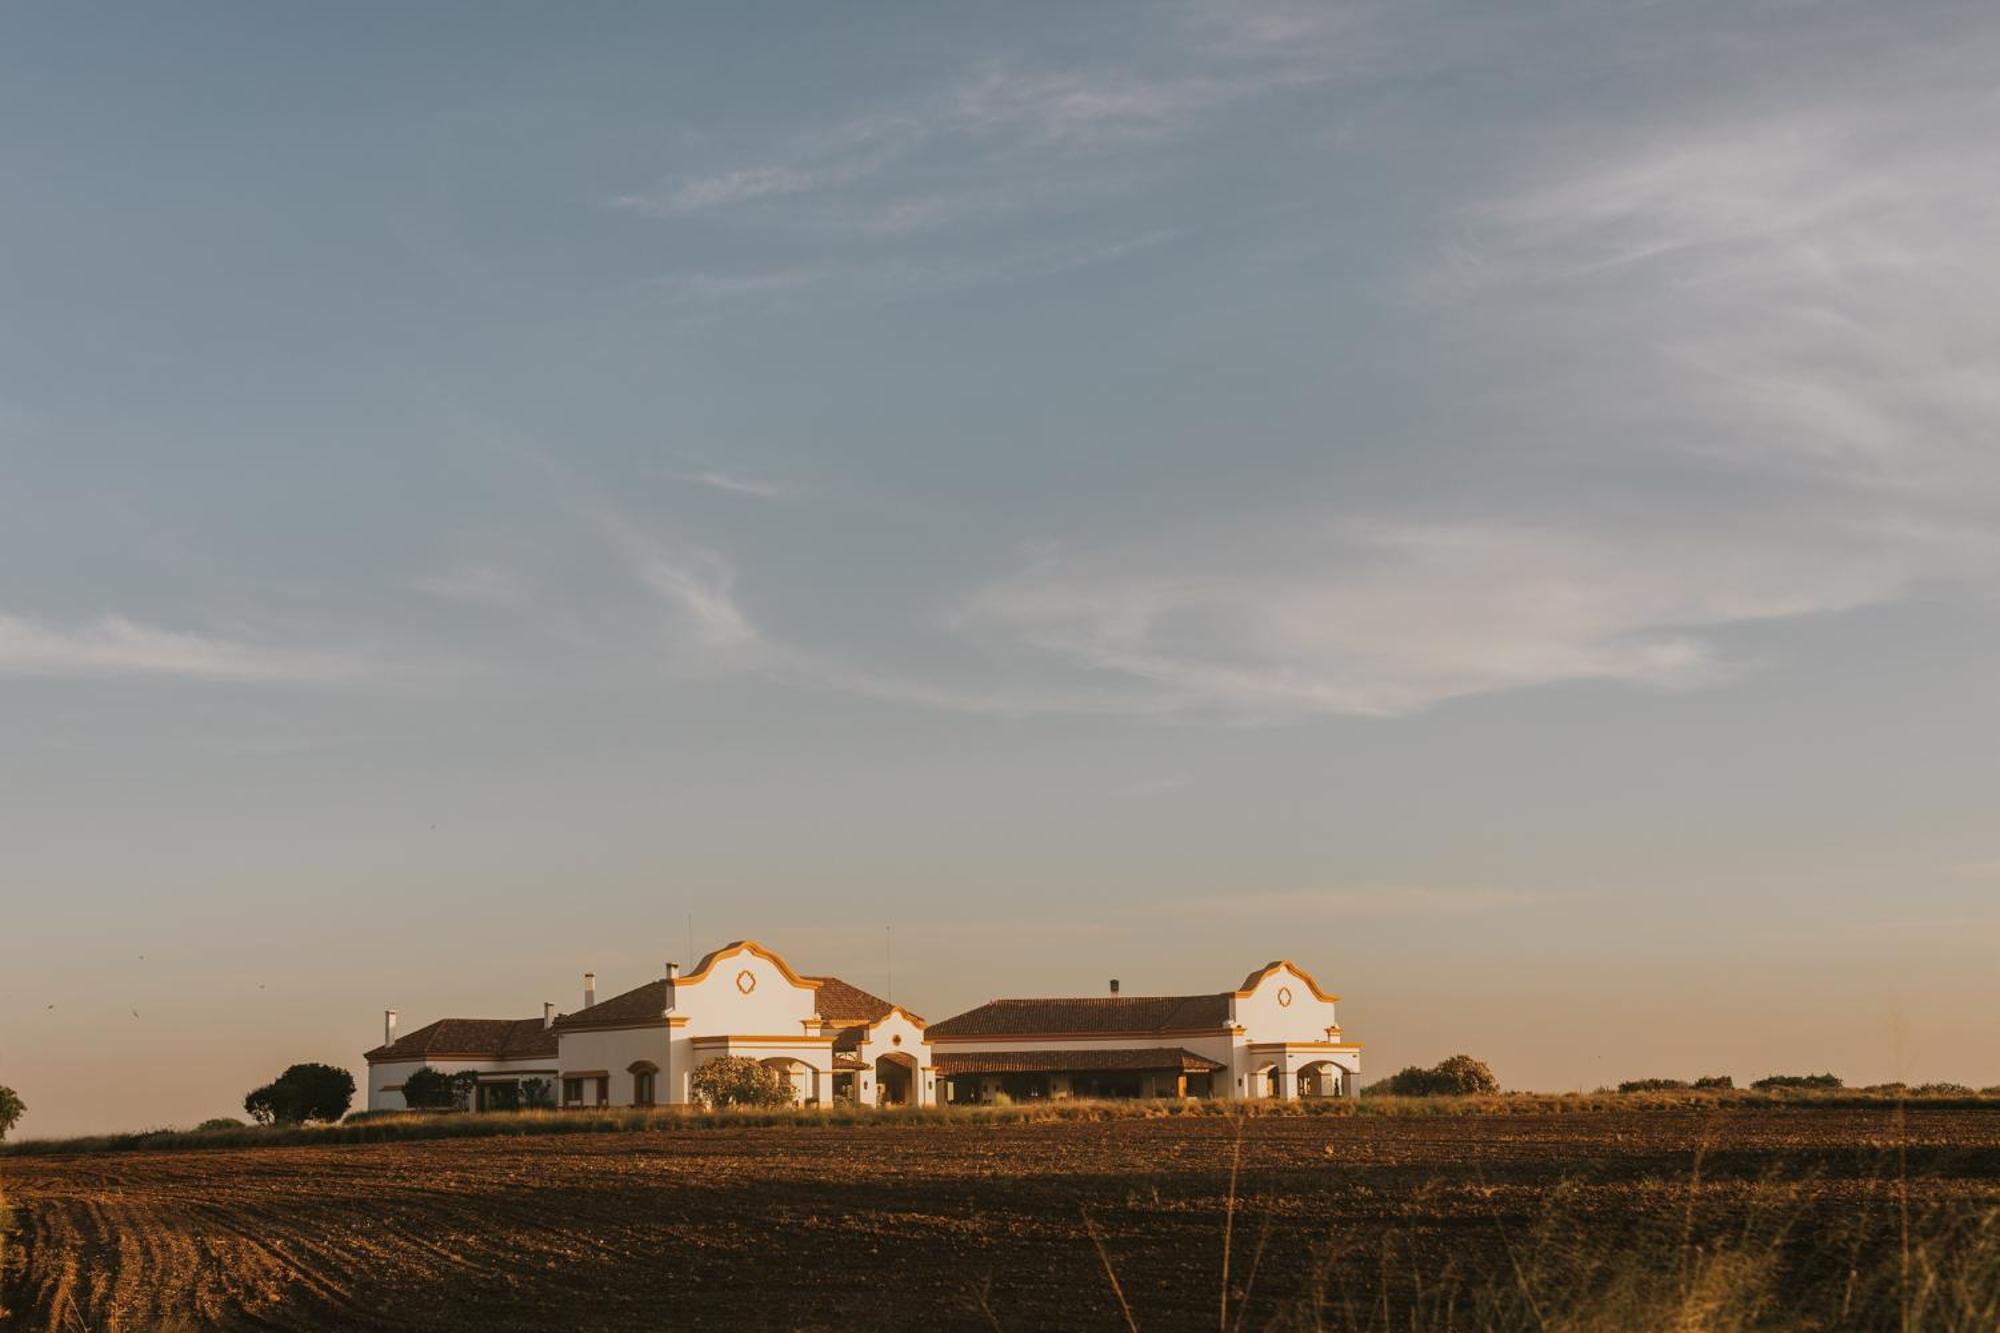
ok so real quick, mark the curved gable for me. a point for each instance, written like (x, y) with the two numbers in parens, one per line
(718, 957)
(1262, 974)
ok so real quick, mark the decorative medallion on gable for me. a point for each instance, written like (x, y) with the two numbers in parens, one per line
(1284, 997)
(746, 981)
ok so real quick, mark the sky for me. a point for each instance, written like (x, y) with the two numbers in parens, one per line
(1498, 504)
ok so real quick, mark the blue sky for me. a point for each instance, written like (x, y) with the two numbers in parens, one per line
(1498, 504)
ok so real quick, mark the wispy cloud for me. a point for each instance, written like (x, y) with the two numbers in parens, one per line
(696, 584)
(722, 481)
(890, 280)
(996, 118)
(701, 194)
(113, 646)
(1302, 615)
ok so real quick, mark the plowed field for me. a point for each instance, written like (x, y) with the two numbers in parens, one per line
(909, 1225)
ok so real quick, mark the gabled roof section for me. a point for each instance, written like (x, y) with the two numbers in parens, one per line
(1251, 982)
(1102, 1015)
(645, 1004)
(840, 1002)
(470, 1039)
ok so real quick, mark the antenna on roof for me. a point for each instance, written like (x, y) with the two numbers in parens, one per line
(889, 961)
(690, 939)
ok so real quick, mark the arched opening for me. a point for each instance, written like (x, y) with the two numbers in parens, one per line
(895, 1080)
(645, 1082)
(797, 1073)
(1264, 1081)
(1321, 1078)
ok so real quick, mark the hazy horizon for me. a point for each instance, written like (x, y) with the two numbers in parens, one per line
(1500, 508)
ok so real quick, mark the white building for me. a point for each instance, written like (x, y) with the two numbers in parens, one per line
(1275, 1036)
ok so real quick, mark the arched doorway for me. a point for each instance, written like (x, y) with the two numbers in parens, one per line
(895, 1080)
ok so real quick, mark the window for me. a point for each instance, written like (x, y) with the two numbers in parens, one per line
(642, 1089)
(572, 1092)
(603, 1090)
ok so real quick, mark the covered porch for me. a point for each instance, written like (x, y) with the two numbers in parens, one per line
(805, 1062)
(1146, 1072)
(1292, 1070)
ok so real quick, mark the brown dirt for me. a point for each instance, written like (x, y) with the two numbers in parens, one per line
(881, 1225)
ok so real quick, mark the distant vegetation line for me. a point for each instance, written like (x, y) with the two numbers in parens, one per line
(398, 1126)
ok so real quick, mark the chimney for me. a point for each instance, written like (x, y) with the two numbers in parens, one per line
(548, 1015)
(388, 1027)
(1114, 985)
(673, 975)
(589, 989)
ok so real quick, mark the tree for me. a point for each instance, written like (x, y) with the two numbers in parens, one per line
(425, 1088)
(1797, 1081)
(537, 1094)
(737, 1080)
(12, 1108)
(1461, 1075)
(1458, 1076)
(271, 1105)
(302, 1093)
(464, 1087)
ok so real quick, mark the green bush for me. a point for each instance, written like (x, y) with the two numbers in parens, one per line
(1715, 1083)
(1653, 1085)
(426, 1089)
(1776, 1081)
(303, 1093)
(219, 1123)
(737, 1080)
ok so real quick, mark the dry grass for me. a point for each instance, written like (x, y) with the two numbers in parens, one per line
(387, 1127)
(1689, 1258)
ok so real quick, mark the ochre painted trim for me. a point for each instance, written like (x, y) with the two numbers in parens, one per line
(429, 1056)
(1251, 982)
(707, 964)
(1305, 1045)
(943, 1041)
(585, 1073)
(630, 1025)
(759, 1039)
(642, 1067)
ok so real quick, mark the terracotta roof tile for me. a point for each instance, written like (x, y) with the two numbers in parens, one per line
(471, 1039)
(1093, 1016)
(643, 1004)
(1085, 1061)
(840, 1002)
